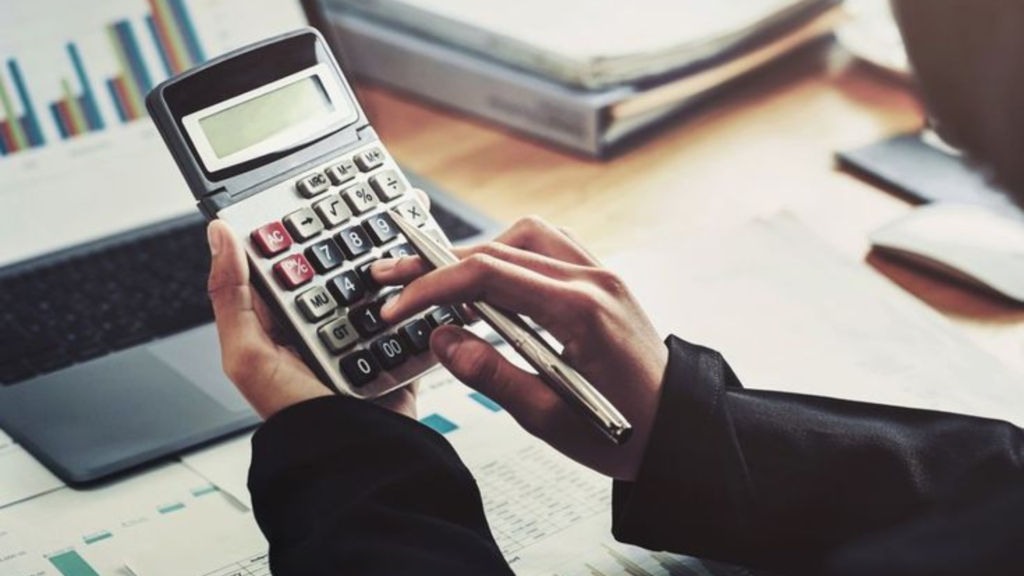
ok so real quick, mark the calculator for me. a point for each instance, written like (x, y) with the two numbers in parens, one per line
(271, 139)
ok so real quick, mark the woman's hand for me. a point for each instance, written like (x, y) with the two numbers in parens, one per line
(268, 373)
(543, 273)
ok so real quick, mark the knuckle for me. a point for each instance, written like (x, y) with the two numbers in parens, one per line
(481, 263)
(532, 224)
(610, 282)
(493, 249)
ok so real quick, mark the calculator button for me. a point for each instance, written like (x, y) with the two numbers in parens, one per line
(338, 335)
(324, 255)
(367, 277)
(413, 212)
(316, 303)
(390, 351)
(417, 336)
(347, 287)
(271, 239)
(294, 271)
(360, 368)
(381, 228)
(367, 319)
(369, 159)
(332, 211)
(444, 315)
(354, 242)
(342, 172)
(303, 224)
(360, 198)
(401, 251)
(387, 185)
(313, 184)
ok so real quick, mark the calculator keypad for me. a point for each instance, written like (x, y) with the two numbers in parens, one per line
(294, 271)
(360, 198)
(332, 225)
(333, 211)
(303, 224)
(313, 185)
(271, 239)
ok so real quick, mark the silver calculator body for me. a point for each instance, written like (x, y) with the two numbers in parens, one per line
(271, 139)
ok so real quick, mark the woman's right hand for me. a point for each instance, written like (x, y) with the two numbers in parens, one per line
(542, 272)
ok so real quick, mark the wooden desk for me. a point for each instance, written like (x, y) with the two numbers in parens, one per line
(765, 147)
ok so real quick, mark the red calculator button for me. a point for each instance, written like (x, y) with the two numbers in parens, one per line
(271, 238)
(294, 271)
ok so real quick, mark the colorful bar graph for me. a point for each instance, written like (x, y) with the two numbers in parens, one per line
(76, 109)
(76, 114)
(17, 132)
(70, 563)
(439, 423)
(171, 27)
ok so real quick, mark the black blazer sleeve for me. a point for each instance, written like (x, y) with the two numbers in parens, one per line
(344, 487)
(821, 485)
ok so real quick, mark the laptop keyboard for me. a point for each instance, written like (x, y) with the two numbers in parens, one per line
(70, 311)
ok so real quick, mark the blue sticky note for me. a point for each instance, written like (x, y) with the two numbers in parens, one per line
(485, 402)
(439, 423)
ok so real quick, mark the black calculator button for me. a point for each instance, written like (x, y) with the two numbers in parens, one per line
(354, 242)
(390, 351)
(360, 368)
(367, 277)
(367, 320)
(369, 159)
(417, 335)
(347, 287)
(324, 255)
(401, 251)
(444, 315)
(381, 228)
(360, 198)
(316, 303)
(303, 224)
(333, 211)
(342, 172)
(313, 184)
(387, 185)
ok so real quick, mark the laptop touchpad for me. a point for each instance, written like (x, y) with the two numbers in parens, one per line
(196, 356)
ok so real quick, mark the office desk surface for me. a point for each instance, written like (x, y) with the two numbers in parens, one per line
(764, 147)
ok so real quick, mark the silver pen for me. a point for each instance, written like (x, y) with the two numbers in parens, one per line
(554, 371)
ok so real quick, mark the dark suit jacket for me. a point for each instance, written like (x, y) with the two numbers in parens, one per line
(785, 482)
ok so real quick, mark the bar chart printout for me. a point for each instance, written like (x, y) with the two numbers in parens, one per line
(76, 114)
(174, 35)
(18, 130)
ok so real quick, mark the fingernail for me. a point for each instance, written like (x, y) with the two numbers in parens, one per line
(213, 236)
(390, 303)
(384, 265)
(445, 342)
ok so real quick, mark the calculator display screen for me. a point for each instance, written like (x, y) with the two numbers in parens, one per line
(254, 121)
(275, 117)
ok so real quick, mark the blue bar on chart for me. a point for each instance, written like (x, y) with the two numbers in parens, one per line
(76, 114)
(18, 132)
(439, 423)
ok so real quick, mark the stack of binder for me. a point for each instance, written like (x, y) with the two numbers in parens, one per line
(576, 90)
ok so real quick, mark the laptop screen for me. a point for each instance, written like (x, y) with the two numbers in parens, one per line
(79, 157)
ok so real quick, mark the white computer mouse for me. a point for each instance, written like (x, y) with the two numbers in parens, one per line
(972, 243)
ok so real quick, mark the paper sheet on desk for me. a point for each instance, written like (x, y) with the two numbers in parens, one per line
(548, 514)
(22, 476)
(791, 314)
(90, 532)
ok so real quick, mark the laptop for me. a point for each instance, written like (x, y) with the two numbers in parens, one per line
(108, 358)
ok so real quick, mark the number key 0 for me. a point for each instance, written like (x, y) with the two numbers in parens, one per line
(360, 368)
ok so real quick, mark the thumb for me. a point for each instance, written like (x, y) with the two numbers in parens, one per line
(478, 365)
